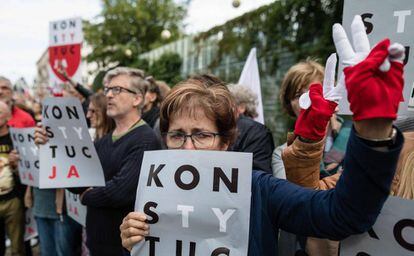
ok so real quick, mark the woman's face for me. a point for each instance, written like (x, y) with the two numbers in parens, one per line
(203, 130)
(92, 115)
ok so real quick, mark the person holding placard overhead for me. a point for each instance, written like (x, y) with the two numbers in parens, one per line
(199, 114)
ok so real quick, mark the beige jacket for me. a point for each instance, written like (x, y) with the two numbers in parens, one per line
(302, 162)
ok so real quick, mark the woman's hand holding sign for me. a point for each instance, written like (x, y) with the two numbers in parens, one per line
(133, 229)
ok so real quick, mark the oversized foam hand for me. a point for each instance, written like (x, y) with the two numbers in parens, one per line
(312, 122)
(330, 92)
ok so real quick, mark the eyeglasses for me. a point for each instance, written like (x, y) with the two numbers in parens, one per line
(5, 88)
(116, 90)
(201, 140)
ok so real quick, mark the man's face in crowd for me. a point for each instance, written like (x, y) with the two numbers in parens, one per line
(126, 101)
(4, 114)
(6, 93)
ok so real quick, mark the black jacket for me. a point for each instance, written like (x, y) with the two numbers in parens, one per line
(255, 138)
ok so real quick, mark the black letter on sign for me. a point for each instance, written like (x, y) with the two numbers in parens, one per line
(221, 250)
(53, 150)
(49, 132)
(85, 151)
(398, 228)
(363, 254)
(219, 174)
(72, 112)
(71, 155)
(153, 175)
(152, 244)
(45, 115)
(56, 112)
(368, 25)
(193, 183)
(148, 211)
(179, 248)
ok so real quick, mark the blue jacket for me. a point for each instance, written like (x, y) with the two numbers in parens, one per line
(351, 208)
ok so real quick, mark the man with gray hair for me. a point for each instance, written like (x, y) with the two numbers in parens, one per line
(19, 118)
(120, 153)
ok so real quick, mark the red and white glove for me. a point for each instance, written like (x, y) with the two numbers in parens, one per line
(313, 121)
(373, 79)
(373, 93)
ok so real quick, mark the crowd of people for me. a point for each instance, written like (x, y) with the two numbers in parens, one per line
(328, 181)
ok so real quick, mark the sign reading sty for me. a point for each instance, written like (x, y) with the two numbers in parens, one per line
(198, 202)
(69, 159)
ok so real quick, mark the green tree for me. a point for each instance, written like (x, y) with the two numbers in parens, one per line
(131, 27)
(167, 68)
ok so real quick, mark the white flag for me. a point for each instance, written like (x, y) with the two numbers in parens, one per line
(250, 78)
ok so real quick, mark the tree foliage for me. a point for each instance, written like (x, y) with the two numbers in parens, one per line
(167, 68)
(301, 27)
(127, 28)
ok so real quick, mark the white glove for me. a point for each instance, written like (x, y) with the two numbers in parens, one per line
(330, 92)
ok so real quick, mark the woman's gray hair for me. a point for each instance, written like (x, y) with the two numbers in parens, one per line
(243, 95)
(137, 82)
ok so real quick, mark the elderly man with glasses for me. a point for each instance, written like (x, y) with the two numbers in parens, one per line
(120, 153)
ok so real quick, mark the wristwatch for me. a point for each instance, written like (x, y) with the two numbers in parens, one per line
(380, 142)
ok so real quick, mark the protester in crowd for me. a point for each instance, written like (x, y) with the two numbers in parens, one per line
(294, 84)
(246, 100)
(19, 118)
(252, 136)
(290, 159)
(11, 207)
(196, 108)
(151, 110)
(120, 153)
(101, 123)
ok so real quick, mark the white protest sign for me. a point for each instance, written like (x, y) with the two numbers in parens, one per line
(23, 142)
(30, 230)
(393, 19)
(250, 78)
(69, 159)
(198, 202)
(75, 209)
(65, 43)
(392, 234)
